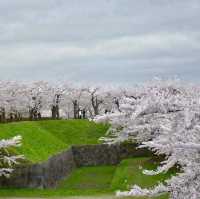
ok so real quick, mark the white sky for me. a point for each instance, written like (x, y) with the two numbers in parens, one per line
(120, 41)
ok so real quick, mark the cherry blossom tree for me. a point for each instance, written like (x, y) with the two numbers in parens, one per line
(11, 100)
(74, 99)
(37, 99)
(56, 96)
(164, 117)
(96, 99)
(103, 99)
(7, 161)
(3, 101)
(37, 95)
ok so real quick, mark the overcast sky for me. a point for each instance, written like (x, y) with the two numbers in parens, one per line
(120, 41)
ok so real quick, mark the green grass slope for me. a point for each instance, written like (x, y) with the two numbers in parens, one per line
(41, 139)
(99, 180)
(129, 172)
(112, 178)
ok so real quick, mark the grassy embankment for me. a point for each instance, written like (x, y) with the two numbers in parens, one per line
(101, 180)
(41, 139)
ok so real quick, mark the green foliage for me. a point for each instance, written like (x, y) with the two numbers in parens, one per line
(42, 139)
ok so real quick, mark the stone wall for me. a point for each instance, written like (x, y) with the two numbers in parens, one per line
(103, 154)
(49, 173)
(43, 175)
(93, 155)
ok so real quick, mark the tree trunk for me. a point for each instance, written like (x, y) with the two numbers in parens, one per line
(84, 114)
(3, 115)
(95, 105)
(76, 109)
(31, 114)
(55, 112)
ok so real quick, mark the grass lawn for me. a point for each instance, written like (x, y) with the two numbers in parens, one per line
(99, 177)
(129, 172)
(101, 180)
(41, 139)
